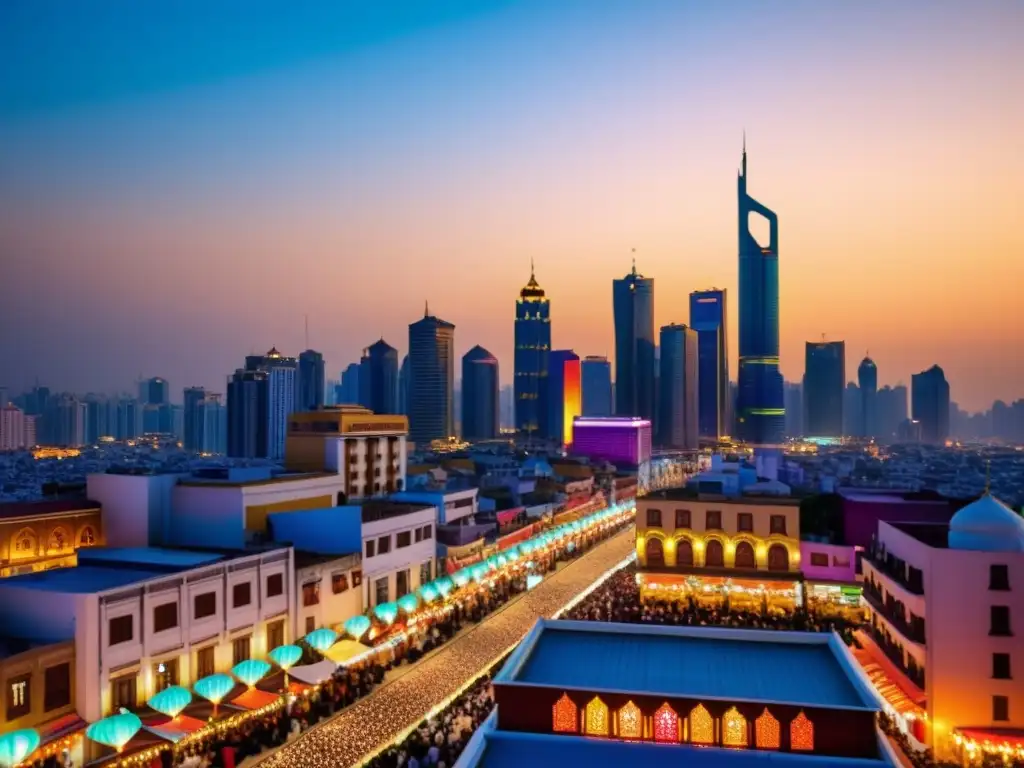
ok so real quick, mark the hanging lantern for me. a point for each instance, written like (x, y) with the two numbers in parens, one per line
(321, 639)
(17, 745)
(461, 578)
(171, 701)
(286, 656)
(250, 671)
(115, 731)
(429, 593)
(386, 612)
(444, 585)
(357, 626)
(214, 687)
(409, 602)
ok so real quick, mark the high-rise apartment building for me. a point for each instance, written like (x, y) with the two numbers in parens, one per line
(596, 383)
(403, 387)
(479, 395)
(530, 366)
(311, 377)
(431, 379)
(633, 306)
(349, 392)
(378, 378)
(155, 391)
(679, 383)
(867, 380)
(891, 411)
(192, 439)
(12, 428)
(564, 396)
(824, 383)
(248, 413)
(929, 394)
(708, 315)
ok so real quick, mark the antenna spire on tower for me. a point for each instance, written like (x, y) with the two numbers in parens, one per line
(744, 170)
(634, 262)
(532, 273)
(426, 308)
(307, 331)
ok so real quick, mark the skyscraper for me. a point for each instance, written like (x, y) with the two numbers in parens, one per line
(867, 378)
(564, 396)
(679, 382)
(403, 387)
(929, 397)
(194, 419)
(479, 395)
(761, 410)
(891, 411)
(793, 394)
(248, 414)
(824, 382)
(596, 383)
(349, 389)
(378, 378)
(214, 421)
(431, 379)
(708, 313)
(310, 387)
(530, 366)
(155, 391)
(633, 305)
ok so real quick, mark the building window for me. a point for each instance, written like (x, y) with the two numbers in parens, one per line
(241, 594)
(999, 577)
(402, 583)
(682, 518)
(426, 572)
(383, 545)
(165, 674)
(204, 605)
(19, 696)
(57, 687)
(778, 524)
(275, 585)
(370, 547)
(357, 577)
(88, 537)
(310, 594)
(403, 539)
(122, 693)
(713, 520)
(819, 559)
(310, 624)
(240, 648)
(428, 532)
(165, 617)
(745, 522)
(275, 634)
(205, 662)
(339, 583)
(1001, 666)
(1000, 620)
(654, 518)
(381, 592)
(419, 534)
(1000, 708)
(120, 629)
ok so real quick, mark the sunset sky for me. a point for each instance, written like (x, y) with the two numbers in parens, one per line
(181, 183)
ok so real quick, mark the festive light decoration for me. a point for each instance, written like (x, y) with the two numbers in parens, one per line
(428, 593)
(250, 671)
(767, 732)
(630, 721)
(478, 572)
(702, 726)
(358, 626)
(801, 733)
(597, 717)
(444, 585)
(171, 701)
(386, 612)
(287, 656)
(17, 745)
(214, 687)
(666, 724)
(321, 639)
(462, 578)
(734, 729)
(115, 731)
(565, 715)
(409, 602)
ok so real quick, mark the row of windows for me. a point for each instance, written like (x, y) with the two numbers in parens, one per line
(382, 589)
(56, 691)
(25, 540)
(713, 521)
(382, 545)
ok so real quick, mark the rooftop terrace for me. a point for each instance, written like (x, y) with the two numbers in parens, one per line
(692, 494)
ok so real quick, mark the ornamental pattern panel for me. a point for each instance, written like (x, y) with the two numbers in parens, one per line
(702, 726)
(565, 715)
(767, 732)
(597, 717)
(630, 721)
(666, 724)
(734, 729)
(801, 733)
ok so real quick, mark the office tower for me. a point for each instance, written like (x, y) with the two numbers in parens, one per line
(867, 378)
(12, 428)
(679, 382)
(281, 382)
(507, 407)
(129, 418)
(596, 382)
(331, 391)
(155, 391)
(378, 378)
(891, 411)
(761, 416)
(564, 398)
(708, 314)
(95, 418)
(310, 388)
(851, 409)
(633, 306)
(194, 421)
(479, 395)
(929, 395)
(431, 379)
(248, 419)
(70, 424)
(824, 382)
(213, 417)
(348, 394)
(403, 387)
(793, 398)
(530, 366)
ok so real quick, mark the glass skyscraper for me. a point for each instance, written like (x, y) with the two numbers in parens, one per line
(310, 390)
(479, 395)
(530, 367)
(867, 379)
(708, 318)
(596, 383)
(824, 388)
(929, 404)
(564, 396)
(431, 380)
(678, 411)
(761, 413)
(633, 304)
(378, 378)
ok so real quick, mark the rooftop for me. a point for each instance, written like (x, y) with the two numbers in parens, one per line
(157, 558)
(935, 535)
(50, 507)
(692, 494)
(236, 479)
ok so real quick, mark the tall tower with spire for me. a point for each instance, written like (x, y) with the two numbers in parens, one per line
(760, 407)
(633, 308)
(532, 348)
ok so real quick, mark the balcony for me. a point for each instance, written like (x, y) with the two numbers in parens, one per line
(894, 652)
(910, 578)
(895, 613)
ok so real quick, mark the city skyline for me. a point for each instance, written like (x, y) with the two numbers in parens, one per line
(150, 235)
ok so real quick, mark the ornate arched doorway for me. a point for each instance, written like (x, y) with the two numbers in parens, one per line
(745, 555)
(655, 552)
(778, 558)
(684, 552)
(714, 555)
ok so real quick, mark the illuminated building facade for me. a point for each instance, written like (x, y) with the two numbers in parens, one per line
(38, 535)
(824, 385)
(431, 379)
(565, 402)
(532, 348)
(633, 305)
(761, 415)
(708, 317)
(479, 395)
(678, 404)
(260, 398)
(625, 442)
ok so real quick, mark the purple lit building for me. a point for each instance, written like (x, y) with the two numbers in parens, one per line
(625, 441)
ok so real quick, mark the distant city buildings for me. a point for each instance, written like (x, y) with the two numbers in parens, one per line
(891, 411)
(378, 378)
(678, 411)
(205, 422)
(633, 306)
(793, 397)
(311, 378)
(532, 347)
(17, 430)
(867, 380)
(708, 317)
(348, 392)
(824, 382)
(930, 404)
(431, 379)
(596, 385)
(480, 378)
(564, 398)
(248, 414)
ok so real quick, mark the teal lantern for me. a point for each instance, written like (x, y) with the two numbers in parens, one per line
(250, 671)
(409, 602)
(357, 626)
(171, 701)
(17, 745)
(321, 639)
(461, 578)
(286, 656)
(527, 546)
(502, 561)
(214, 687)
(386, 612)
(478, 571)
(115, 731)
(429, 593)
(444, 586)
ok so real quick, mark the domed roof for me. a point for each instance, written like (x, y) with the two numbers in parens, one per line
(987, 525)
(867, 362)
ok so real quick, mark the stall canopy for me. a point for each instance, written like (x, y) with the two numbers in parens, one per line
(311, 674)
(342, 651)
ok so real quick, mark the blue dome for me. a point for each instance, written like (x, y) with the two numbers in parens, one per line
(987, 525)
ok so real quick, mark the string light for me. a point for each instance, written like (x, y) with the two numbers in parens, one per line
(801, 733)
(767, 732)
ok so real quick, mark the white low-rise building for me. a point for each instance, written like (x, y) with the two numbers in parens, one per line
(330, 590)
(452, 505)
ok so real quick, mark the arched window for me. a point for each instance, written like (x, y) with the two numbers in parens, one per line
(25, 542)
(734, 729)
(801, 733)
(745, 555)
(630, 721)
(666, 724)
(565, 715)
(88, 538)
(778, 558)
(597, 717)
(58, 540)
(684, 552)
(767, 734)
(714, 556)
(655, 552)
(702, 726)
